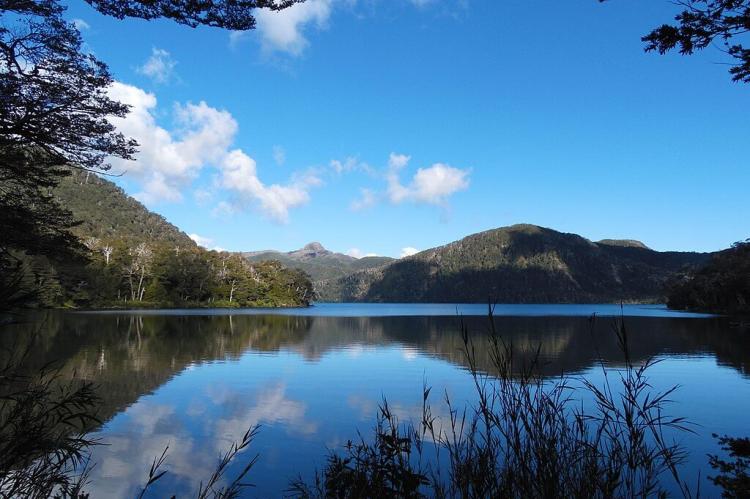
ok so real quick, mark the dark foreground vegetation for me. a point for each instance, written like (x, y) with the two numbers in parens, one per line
(723, 285)
(526, 437)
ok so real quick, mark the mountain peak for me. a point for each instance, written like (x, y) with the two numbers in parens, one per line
(314, 246)
(627, 243)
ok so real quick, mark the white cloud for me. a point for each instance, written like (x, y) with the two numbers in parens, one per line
(202, 196)
(205, 242)
(169, 161)
(343, 166)
(357, 253)
(350, 164)
(166, 163)
(80, 24)
(432, 185)
(367, 199)
(283, 30)
(398, 161)
(279, 155)
(159, 67)
(408, 251)
(200, 240)
(239, 175)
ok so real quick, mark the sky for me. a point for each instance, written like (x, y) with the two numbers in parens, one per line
(390, 126)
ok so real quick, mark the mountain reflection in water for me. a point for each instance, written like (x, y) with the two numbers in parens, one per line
(198, 381)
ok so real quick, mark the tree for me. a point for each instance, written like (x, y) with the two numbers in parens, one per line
(230, 14)
(54, 114)
(137, 270)
(55, 110)
(700, 24)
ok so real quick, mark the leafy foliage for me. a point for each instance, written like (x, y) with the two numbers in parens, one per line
(230, 14)
(701, 24)
(54, 113)
(43, 425)
(722, 285)
(734, 475)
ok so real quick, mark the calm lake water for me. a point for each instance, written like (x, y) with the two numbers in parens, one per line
(197, 379)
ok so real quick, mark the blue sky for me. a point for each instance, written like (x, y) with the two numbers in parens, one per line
(378, 125)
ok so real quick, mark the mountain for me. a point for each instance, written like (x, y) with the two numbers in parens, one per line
(626, 243)
(721, 286)
(107, 212)
(518, 264)
(319, 263)
(135, 258)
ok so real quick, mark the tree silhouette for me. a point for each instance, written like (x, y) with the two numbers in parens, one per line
(230, 14)
(703, 23)
(55, 110)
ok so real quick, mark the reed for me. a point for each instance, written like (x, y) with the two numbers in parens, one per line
(526, 437)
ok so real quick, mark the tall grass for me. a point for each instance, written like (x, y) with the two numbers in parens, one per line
(44, 443)
(526, 437)
(44, 449)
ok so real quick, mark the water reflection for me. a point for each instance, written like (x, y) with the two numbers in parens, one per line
(133, 354)
(198, 382)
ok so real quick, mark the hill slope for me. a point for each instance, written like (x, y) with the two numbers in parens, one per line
(135, 258)
(722, 285)
(518, 264)
(319, 263)
(107, 212)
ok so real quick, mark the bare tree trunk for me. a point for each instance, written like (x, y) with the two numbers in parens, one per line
(140, 284)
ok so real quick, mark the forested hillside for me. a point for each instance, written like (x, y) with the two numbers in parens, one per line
(722, 285)
(519, 264)
(131, 257)
(104, 211)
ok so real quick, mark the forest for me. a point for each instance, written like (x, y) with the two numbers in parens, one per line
(123, 255)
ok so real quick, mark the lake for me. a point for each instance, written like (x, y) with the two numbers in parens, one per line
(197, 379)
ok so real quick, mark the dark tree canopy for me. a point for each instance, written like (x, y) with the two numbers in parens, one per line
(703, 23)
(55, 111)
(55, 108)
(229, 14)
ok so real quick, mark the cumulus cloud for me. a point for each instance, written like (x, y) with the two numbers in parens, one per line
(205, 242)
(202, 196)
(283, 31)
(168, 161)
(358, 253)
(350, 164)
(239, 174)
(80, 24)
(200, 240)
(408, 251)
(431, 185)
(159, 67)
(367, 199)
(279, 155)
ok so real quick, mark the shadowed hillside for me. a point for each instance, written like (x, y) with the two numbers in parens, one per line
(518, 264)
(722, 285)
